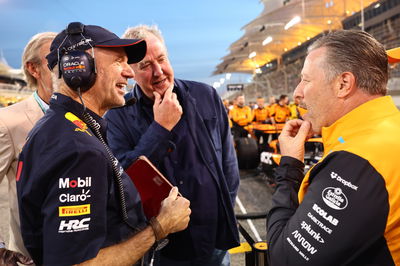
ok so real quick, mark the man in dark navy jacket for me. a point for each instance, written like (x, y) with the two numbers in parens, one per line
(183, 128)
(76, 203)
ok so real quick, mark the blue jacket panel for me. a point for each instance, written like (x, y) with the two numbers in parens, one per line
(132, 132)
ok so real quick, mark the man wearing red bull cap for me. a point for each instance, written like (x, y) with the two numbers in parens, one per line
(345, 210)
(76, 203)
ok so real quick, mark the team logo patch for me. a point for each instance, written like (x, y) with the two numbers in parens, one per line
(319, 223)
(334, 198)
(316, 235)
(67, 197)
(302, 240)
(75, 210)
(344, 182)
(71, 226)
(79, 182)
(73, 66)
(324, 214)
(81, 126)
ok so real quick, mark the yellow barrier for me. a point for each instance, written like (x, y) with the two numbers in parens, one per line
(244, 247)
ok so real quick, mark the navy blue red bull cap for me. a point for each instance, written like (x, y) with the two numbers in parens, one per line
(78, 36)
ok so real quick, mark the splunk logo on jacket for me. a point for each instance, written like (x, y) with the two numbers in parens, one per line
(79, 182)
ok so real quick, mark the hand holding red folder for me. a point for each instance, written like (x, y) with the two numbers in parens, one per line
(153, 187)
(175, 212)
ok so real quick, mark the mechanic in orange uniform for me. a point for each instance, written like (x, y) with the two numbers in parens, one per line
(241, 116)
(261, 116)
(280, 113)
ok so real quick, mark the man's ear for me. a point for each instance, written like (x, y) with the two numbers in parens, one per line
(33, 69)
(345, 84)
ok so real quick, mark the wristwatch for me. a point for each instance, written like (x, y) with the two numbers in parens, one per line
(161, 240)
(2, 245)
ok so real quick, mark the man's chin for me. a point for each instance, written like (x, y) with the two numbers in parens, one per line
(162, 88)
(316, 129)
(161, 91)
(119, 102)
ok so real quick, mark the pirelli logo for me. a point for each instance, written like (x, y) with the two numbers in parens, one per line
(76, 210)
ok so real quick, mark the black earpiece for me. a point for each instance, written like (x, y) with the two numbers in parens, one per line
(77, 67)
(78, 70)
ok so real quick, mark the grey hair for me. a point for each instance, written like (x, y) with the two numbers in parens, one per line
(357, 52)
(56, 81)
(142, 32)
(31, 54)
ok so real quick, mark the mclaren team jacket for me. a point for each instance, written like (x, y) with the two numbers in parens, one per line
(347, 209)
(241, 115)
(261, 114)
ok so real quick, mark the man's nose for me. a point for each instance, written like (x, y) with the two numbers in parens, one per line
(128, 72)
(157, 70)
(298, 91)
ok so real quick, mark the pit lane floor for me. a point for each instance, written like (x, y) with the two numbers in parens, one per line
(254, 194)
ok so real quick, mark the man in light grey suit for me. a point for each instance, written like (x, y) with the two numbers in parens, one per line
(15, 123)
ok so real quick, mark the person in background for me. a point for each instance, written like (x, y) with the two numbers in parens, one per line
(182, 127)
(271, 105)
(226, 105)
(280, 112)
(15, 123)
(345, 210)
(295, 111)
(271, 101)
(77, 205)
(241, 116)
(232, 103)
(261, 116)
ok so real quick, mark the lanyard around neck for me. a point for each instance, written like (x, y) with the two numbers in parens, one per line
(39, 101)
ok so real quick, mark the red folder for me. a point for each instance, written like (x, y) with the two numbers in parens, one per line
(153, 187)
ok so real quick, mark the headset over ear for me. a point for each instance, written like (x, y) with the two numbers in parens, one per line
(77, 67)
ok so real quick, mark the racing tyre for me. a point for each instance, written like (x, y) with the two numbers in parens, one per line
(247, 153)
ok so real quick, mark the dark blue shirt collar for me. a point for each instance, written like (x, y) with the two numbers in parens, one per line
(61, 101)
(141, 97)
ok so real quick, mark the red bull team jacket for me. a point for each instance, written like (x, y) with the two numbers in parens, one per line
(68, 199)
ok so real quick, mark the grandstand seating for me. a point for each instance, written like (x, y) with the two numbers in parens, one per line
(381, 19)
